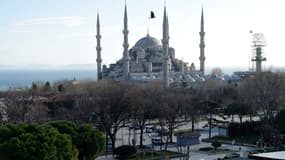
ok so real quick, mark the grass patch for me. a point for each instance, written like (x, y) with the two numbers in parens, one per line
(206, 149)
(155, 154)
(211, 150)
(238, 140)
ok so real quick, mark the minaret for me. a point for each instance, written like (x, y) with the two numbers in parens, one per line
(98, 48)
(202, 45)
(126, 58)
(165, 45)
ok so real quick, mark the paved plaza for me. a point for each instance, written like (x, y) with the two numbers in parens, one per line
(124, 139)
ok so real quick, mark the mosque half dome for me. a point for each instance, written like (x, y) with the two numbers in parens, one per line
(147, 42)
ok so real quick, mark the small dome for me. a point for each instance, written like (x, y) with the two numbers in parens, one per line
(147, 42)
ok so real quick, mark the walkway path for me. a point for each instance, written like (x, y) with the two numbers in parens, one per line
(195, 154)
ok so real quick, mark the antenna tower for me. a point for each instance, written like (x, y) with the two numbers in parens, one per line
(258, 44)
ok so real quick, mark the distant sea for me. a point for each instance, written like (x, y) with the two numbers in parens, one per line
(17, 77)
(24, 78)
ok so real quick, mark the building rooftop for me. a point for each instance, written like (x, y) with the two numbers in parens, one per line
(148, 42)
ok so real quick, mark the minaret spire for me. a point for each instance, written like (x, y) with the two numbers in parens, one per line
(165, 45)
(202, 21)
(202, 45)
(98, 48)
(165, 25)
(126, 57)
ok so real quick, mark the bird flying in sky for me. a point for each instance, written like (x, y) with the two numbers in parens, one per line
(152, 14)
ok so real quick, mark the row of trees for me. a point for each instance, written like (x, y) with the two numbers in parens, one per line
(61, 140)
(113, 104)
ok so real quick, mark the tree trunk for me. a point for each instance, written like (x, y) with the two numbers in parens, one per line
(192, 123)
(106, 142)
(166, 143)
(170, 134)
(129, 139)
(113, 140)
(210, 125)
(80, 157)
(141, 136)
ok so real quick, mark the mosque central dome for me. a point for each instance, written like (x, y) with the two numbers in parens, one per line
(147, 42)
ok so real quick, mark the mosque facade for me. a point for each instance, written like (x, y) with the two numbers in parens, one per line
(150, 59)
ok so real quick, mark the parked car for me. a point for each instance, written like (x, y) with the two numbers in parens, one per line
(161, 129)
(149, 129)
(156, 141)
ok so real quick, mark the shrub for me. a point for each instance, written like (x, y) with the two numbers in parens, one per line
(61, 140)
(124, 152)
(244, 129)
(205, 149)
(216, 144)
(279, 121)
(35, 142)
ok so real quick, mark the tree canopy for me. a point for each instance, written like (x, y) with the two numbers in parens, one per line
(61, 140)
(88, 140)
(32, 142)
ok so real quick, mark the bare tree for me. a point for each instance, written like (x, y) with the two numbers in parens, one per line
(211, 94)
(37, 113)
(238, 108)
(169, 111)
(191, 106)
(111, 106)
(265, 90)
(143, 98)
(17, 105)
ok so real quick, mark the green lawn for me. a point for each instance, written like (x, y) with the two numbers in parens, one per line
(251, 140)
(210, 150)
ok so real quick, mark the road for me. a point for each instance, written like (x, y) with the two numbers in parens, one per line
(195, 154)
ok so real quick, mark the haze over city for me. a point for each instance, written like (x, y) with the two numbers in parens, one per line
(63, 32)
(148, 79)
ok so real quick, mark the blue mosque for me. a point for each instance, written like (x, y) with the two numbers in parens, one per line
(151, 59)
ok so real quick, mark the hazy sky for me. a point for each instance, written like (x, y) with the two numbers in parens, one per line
(60, 32)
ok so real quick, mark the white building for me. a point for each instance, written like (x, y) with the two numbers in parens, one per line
(150, 59)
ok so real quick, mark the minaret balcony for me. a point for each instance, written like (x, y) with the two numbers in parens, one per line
(98, 60)
(125, 31)
(202, 58)
(98, 48)
(126, 45)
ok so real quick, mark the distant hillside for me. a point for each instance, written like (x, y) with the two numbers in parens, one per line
(227, 70)
(49, 67)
